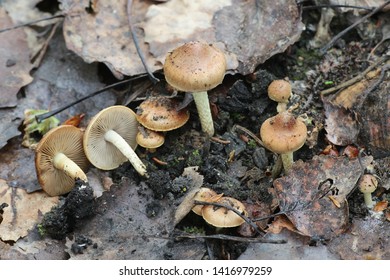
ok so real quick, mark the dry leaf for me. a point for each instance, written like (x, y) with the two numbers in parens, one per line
(105, 36)
(367, 238)
(24, 211)
(381, 206)
(15, 63)
(280, 223)
(304, 194)
(341, 124)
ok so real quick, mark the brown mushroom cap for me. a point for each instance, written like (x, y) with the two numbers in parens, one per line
(195, 66)
(279, 91)
(65, 139)
(204, 194)
(283, 133)
(368, 183)
(101, 153)
(149, 139)
(222, 217)
(160, 113)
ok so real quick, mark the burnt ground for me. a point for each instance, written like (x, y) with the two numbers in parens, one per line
(134, 218)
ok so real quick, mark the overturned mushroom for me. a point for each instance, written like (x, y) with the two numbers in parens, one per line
(161, 113)
(221, 217)
(60, 160)
(196, 67)
(110, 139)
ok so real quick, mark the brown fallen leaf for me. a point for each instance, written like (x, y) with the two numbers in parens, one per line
(380, 206)
(280, 223)
(24, 211)
(367, 238)
(303, 194)
(105, 35)
(15, 63)
(341, 124)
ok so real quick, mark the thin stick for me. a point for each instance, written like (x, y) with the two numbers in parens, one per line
(342, 33)
(136, 43)
(30, 23)
(231, 238)
(250, 133)
(44, 116)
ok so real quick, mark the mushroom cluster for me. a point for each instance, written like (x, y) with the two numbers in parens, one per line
(196, 67)
(157, 115)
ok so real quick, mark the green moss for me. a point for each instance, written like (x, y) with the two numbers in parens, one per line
(194, 230)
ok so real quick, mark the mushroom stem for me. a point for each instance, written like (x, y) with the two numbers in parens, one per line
(281, 107)
(120, 143)
(368, 199)
(203, 106)
(62, 162)
(288, 161)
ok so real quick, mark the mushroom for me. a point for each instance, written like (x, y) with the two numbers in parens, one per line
(280, 91)
(204, 194)
(367, 185)
(109, 139)
(283, 134)
(196, 67)
(149, 139)
(60, 159)
(160, 113)
(221, 217)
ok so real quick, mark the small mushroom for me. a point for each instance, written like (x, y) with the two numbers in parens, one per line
(205, 195)
(283, 134)
(221, 217)
(149, 139)
(60, 160)
(109, 139)
(160, 113)
(367, 185)
(280, 91)
(196, 67)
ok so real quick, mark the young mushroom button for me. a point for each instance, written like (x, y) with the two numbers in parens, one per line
(367, 185)
(283, 134)
(109, 139)
(280, 91)
(196, 67)
(60, 160)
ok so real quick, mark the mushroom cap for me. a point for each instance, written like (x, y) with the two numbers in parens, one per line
(279, 91)
(149, 139)
(204, 194)
(283, 133)
(66, 139)
(368, 183)
(159, 113)
(101, 153)
(221, 216)
(195, 66)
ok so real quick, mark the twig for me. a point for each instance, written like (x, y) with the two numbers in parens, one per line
(342, 33)
(231, 238)
(42, 117)
(136, 43)
(246, 219)
(312, 7)
(354, 79)
(251, 134)
(31, 23)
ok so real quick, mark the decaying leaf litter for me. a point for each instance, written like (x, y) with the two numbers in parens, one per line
(329, 221)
